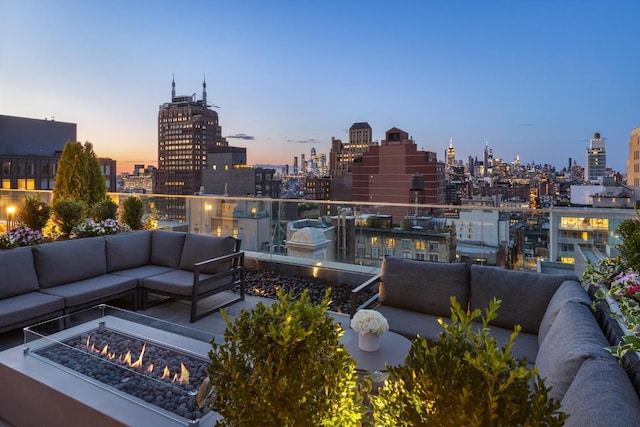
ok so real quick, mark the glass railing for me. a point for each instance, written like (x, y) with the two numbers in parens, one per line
(359, 234)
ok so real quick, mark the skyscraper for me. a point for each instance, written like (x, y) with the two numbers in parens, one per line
(343, 155)
(633, 162)
(596, 159)
(187, 127)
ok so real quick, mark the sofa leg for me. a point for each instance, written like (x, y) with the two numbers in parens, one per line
(194, 310)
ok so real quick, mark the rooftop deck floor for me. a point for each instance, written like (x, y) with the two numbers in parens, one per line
(177, 312)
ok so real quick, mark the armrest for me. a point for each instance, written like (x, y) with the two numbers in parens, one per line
(361, 289)
(236, 260)
(228, 257)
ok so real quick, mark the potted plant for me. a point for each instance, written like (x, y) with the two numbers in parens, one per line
(464, 378)
(283, 365)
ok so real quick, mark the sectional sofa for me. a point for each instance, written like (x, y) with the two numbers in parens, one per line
(560, 335)
(44, 281)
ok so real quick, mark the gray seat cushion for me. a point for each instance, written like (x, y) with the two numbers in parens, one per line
(166, 247)
(180, 282)
(140, 273)
(525, 295)
(199, 248)
(411, 323)
(568, 291)
(69, 261)
(424, 287)
(94, 289)
(17, 272)
(128, 250)
(601, 395)
(32, 305)
(524, 347)
(573, 338)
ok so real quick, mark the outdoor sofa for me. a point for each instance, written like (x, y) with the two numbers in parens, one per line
(560, 335)
(52, 279)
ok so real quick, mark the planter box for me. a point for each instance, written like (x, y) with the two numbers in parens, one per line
(615, 331)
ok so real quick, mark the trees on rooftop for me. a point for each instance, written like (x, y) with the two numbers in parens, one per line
(78, 176)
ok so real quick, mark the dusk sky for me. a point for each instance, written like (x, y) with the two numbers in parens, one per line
(530, 78)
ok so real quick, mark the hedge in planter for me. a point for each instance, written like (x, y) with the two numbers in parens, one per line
(464, 378)
(283, 365)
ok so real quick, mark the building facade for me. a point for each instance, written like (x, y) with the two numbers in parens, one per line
(343, 155)
(187, 128)
(633, 162)
(397, 172)
(596, 159)
(30, 150)
(227, 173)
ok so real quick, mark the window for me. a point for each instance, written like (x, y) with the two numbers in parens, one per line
(433, 247)
(375, 252)
(420, 246)
(388, 251)
(390, 242)
(375, 241)
(406, 244)
(433, 258)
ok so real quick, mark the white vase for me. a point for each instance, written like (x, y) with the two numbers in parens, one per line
(369, 342)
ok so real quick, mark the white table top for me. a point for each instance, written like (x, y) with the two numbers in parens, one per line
(393, 350)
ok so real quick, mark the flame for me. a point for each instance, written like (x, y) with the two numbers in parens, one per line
(166, 373)
(183, 378)
(184, 374)
(138, 363)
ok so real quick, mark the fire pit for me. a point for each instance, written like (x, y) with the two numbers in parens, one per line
(158, 366)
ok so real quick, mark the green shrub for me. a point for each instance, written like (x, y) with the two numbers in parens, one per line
(629, 231)
(34, 213)
(464, 378)
(67, 214)
(132, 211)
(106, 209)
(283, 365)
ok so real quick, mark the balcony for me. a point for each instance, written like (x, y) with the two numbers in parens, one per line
(360, 234)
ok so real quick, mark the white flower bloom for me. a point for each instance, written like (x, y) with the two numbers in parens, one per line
(369, 322)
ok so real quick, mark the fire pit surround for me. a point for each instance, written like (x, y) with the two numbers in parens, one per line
(144, 360)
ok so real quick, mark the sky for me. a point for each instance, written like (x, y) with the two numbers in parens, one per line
(534, 79)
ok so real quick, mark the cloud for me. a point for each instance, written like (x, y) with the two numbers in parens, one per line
(241, 136)
(303, 141)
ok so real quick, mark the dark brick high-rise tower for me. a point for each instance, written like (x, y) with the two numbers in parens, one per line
(187, 128)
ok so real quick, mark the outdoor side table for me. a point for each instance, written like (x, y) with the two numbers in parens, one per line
(393, 350)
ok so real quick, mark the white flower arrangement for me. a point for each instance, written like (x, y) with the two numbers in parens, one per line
(369, 322)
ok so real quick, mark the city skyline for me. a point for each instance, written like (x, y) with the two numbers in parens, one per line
(530, 79)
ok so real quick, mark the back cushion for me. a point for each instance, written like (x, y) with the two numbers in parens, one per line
(573, 338)
(128, 250)
(525, 295)
(568, 291)
(166, 247)
(601, 395)
(58, 263)
(201, 248)
(425, 287)
(17, 272)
